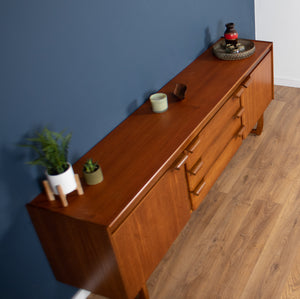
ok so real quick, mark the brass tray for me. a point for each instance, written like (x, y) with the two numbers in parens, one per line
(247, 48)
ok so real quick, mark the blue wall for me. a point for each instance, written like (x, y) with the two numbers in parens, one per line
(83, 66)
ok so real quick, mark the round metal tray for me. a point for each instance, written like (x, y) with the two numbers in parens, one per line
(219, 49)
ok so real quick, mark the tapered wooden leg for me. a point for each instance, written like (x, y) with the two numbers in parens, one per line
(62, 196)
(259, 127)
(48, 190)
(143, 294)
(78, 183)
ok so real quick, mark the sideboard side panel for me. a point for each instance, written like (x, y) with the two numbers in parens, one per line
(80, 253)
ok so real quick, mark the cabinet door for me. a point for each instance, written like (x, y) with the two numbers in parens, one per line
(258, 93)
(146, 235)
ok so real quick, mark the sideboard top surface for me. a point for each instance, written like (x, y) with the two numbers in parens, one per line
(135, 154)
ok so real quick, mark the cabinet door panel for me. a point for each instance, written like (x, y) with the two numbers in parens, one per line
(146, 235)
(258, 94)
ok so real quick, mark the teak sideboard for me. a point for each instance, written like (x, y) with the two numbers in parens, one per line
(157, 169)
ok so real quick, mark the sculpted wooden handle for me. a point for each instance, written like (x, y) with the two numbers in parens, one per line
(241, 131)
(247, 82)
(199, 187)
(193, 145)
(197, 166)
(239, 93)
(239, 113)
(181, 160)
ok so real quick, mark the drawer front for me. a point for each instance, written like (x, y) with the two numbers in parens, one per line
(205, 184)
(211, 131)
(207, 159)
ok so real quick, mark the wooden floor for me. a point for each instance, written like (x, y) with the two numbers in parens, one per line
(244, 239)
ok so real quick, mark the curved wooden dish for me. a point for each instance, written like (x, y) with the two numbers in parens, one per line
(219, 50)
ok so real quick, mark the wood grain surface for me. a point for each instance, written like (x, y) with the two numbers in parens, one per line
(146, 137)
(244, 239)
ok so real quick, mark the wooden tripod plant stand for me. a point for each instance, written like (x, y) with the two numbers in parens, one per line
(62, 196)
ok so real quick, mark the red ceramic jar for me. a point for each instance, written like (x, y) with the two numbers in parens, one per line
(230, 34)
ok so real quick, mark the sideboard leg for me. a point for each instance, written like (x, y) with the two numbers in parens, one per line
(259, 127)
(143, 294)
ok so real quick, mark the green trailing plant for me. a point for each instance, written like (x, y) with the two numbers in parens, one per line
(90, 166)
(52, 150)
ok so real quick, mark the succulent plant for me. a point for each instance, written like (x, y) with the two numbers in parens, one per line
(90, 166)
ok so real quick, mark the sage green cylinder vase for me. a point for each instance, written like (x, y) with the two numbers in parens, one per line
(93, 178)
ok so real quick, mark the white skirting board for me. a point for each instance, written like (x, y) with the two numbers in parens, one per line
(287, 82)
(81, 294)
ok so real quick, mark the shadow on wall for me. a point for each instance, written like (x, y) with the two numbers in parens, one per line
(208, 41)
(134, 105)
(25, 262)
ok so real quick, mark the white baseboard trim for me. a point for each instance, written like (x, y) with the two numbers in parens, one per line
(287, 82)
(81, 294)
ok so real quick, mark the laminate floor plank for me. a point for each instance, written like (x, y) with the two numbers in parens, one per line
(239, 254)
(274, 265)
(201, 251)
(292, 286)
(243, 242)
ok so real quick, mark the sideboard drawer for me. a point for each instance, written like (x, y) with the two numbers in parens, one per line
(212, 130)
(207, 159)
(204, 184)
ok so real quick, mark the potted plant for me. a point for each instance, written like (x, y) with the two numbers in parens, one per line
(92, 172)
(52, 153)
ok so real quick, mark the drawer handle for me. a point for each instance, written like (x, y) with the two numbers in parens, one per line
(181, 160)
(247, 82)
(193, 145)
(197, 166)
(239, 93)
(199, 188)
(241, 131)
(239, 113)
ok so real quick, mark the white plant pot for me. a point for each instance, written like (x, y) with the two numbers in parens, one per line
(66, 180)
